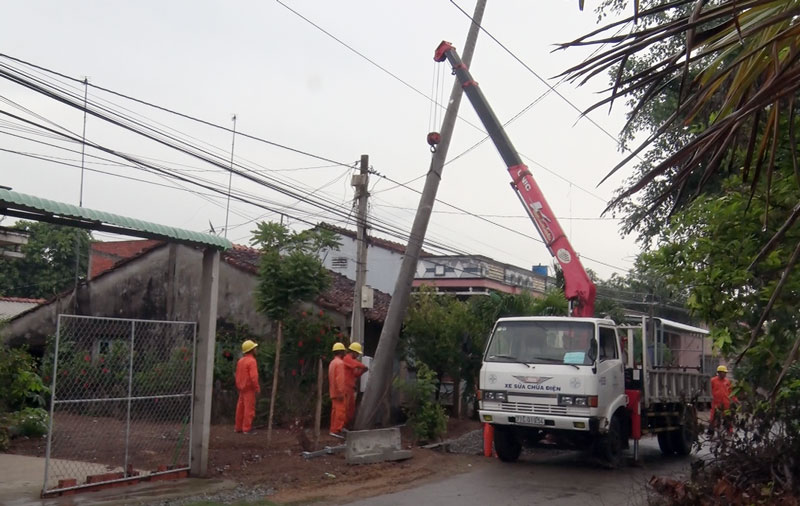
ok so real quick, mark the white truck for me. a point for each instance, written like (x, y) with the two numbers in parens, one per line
(585, 383)
(569, 381)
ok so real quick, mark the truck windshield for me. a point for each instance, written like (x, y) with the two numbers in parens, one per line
(541, 342)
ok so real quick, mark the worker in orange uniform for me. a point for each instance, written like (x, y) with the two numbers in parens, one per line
(353, 369)
(721, 397)
(337, 390)
(248, 387)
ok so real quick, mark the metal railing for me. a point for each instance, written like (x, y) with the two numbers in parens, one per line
(121, 403)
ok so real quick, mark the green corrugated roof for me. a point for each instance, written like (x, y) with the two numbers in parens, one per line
(10, 200)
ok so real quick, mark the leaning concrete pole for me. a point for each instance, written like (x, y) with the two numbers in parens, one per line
(381, 373)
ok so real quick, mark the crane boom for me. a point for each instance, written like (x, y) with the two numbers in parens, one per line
(579, 288)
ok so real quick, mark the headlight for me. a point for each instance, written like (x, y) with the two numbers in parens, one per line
(494, 396)
(579, 401)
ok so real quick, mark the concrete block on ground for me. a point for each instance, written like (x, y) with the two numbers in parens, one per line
(371, 446)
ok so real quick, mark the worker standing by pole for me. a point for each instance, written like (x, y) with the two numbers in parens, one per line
(248, 387)
(337, 390)
(353, 369)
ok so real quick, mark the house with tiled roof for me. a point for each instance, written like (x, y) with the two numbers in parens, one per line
(104, 255)
(12, 306)
(154, 280)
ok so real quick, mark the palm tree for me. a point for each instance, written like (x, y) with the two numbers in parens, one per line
(731, 66)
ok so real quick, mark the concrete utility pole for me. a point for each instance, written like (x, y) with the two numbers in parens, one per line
(204, 369)
(381, 371)
(360, 183)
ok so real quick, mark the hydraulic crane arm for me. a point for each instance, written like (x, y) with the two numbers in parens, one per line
(579, 290)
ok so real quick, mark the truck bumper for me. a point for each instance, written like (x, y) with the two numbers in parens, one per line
(544, 422)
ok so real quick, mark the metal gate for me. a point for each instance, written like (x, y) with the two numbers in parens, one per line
(121, 405)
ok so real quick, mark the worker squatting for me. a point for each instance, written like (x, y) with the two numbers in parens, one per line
(343, 373)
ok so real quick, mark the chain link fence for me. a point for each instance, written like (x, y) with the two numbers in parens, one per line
(121, 401)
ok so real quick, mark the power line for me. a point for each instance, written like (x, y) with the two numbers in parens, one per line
(514, 216)
(384, 227)
(540, 78)
(182, 115)
(434, 101)
(154, 135)
(183, 147)
(372, 62)
(483, 218)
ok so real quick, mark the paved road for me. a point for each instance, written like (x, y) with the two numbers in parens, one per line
(555, 479)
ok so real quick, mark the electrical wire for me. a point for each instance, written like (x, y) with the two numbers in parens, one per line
(182, 115)
(535, 74)
(168, 140)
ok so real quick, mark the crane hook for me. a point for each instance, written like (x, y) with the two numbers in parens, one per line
(434, 138)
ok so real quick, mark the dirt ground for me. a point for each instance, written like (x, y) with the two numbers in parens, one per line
(247, 459)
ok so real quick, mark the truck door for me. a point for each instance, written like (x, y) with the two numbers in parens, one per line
(610, 370)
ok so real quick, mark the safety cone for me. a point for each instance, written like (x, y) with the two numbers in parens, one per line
(488, 439)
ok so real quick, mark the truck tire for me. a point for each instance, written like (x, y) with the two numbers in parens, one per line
(665, 443)
(506, 444)
(609, 447)
(684, 438)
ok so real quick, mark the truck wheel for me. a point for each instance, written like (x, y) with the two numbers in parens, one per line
(506, 444)
(665, 443)
(683, 438)
(609, 447)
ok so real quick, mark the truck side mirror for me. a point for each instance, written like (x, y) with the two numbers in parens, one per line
(592, 353)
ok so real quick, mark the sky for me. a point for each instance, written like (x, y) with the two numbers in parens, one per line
(293, 85)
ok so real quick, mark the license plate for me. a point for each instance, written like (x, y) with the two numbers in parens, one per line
(530, 420)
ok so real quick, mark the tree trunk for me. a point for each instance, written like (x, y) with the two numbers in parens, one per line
(457, 397)
(318, 410)
(274, 393)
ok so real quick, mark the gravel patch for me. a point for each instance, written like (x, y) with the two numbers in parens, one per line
(240, 494)
(470, 443)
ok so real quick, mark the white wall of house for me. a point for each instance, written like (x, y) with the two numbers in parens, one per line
(383, 265)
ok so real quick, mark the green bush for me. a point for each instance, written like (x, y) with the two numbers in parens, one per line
(22, 397)
(427, 418)
(30, 422)
(21, 386)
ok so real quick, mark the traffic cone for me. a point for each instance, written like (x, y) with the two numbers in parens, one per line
(488, 439)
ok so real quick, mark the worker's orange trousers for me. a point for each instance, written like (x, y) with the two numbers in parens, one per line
(338, 415)
(245, 410)
(350, 406)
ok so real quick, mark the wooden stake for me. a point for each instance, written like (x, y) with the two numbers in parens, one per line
(274, 393)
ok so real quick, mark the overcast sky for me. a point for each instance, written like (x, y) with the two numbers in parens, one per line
(293, 85)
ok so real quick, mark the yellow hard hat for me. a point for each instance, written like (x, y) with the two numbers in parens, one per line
(356, 347)
(722, 368)
(248, 346)
(338, 347)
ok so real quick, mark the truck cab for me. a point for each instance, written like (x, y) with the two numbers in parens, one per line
(552, 380)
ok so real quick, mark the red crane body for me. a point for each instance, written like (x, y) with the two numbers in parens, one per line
(579, 289)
